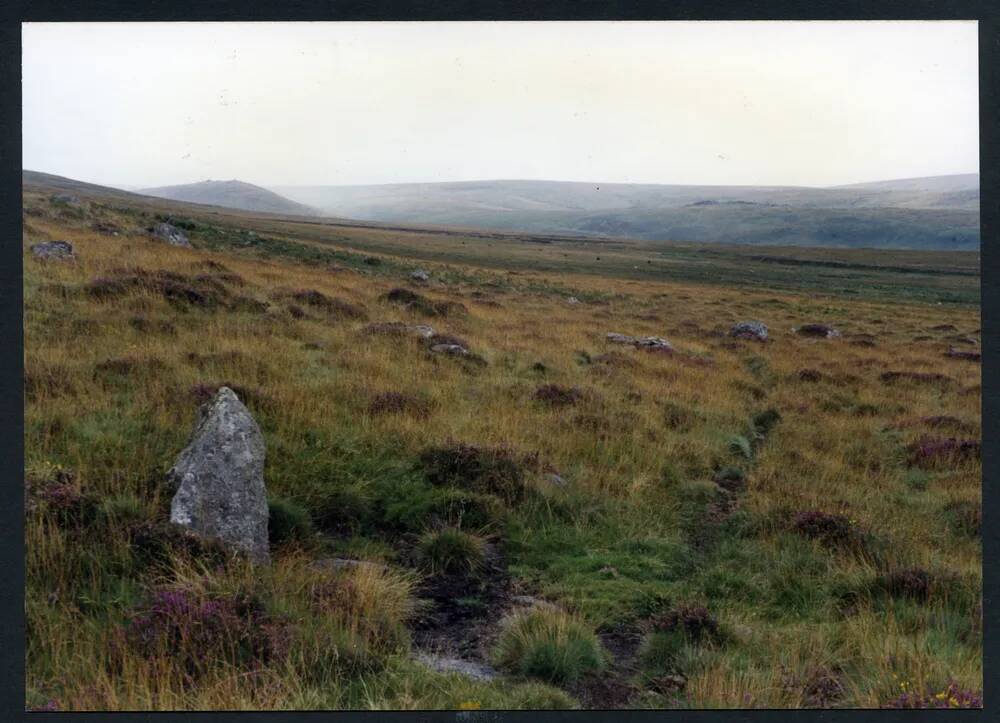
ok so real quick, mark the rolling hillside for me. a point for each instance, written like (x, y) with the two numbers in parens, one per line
(231, 194)
(941, 212)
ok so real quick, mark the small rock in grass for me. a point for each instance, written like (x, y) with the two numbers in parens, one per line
(53, 250)
(819, 331)
(420, 275)
(556, 480)
(446, 664)
(450, 349)
(755, 330)
(171, 234)
(398, 328)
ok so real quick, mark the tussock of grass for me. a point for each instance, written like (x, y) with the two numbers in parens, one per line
(451, 551)
(549, 644)
(371, 441)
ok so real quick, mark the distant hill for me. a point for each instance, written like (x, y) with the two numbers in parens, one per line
(939, 184)
(231, 194)
(929, 213)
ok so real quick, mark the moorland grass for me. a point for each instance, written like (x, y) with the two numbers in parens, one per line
(657, 507)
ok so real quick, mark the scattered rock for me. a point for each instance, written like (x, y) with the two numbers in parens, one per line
(616, 338)
(649, 343)
(654, 343)
(64, 198)
(555, 480)
(171, 234)
(398, 328)
(450, 349)
(220, 478)
(53, 250)
(755, 330)
(447, 664)
(420, 275)
(106, 227)
(819, 331)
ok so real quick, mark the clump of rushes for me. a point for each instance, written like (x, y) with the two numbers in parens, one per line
(694, 622)
(287, 521)
(549, 644)
(480, 469)
(964, 517)
(832, 530)
(764, 422)
(450, 551)
(913, 582)
(739, 446)
(669, 633)
(555, 395)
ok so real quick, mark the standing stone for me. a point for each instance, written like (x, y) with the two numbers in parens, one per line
(220, 478)
(171, 234)
(56, 250)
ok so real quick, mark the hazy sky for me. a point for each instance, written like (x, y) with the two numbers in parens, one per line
(811, 103)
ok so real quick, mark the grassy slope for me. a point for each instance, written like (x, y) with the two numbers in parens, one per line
(631, 534)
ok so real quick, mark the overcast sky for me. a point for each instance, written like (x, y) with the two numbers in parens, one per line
(813, 103)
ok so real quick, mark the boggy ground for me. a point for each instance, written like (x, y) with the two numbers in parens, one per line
(736, 524)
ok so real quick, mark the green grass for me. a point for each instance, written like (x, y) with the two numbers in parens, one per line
(655, 508)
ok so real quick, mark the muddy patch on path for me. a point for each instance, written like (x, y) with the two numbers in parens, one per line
(455, 632)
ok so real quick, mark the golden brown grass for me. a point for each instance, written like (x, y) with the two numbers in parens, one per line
(840, 448)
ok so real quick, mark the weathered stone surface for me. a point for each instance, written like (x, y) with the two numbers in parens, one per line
(451, 664)
(420, 275)
(649, 343)
(821, 331)
(654, 343)
(756, 330)
(616, 338)
(450, 349)
(53, 250)
(398, 328)
(220, 478)
(555, 480)
(65, 198)
(171, 234)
